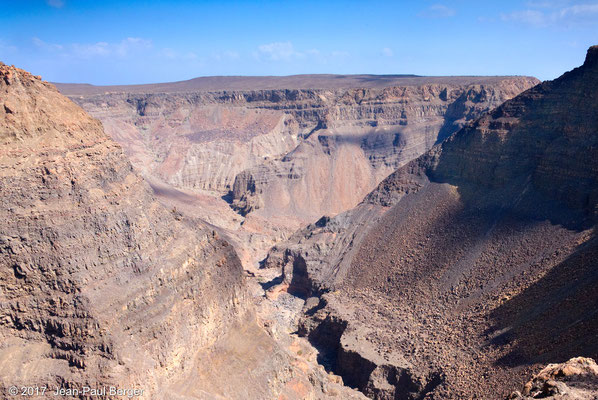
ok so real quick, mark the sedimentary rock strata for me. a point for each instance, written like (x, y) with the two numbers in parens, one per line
(100, 284)
(469, 267)
(284, 157)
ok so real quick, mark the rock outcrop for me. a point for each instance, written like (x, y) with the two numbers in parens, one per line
(100, 284)
(470, 266)
(576, 379)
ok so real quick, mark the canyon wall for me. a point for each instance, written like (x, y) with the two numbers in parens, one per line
(470, 267)
(287, 156)
(100, 284)
(356, 141)
(103, 286)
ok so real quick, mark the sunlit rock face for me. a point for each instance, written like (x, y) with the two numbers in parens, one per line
(100, 284)
(286, 155)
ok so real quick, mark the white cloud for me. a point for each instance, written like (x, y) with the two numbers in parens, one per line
(226, 56)
(437, 11)
(286, 52)
(131, 45)
(387, 52)
(547, 13)
(122, 49)
(6, 48)
(187, 56)
(46, 46)
(528, 17)
(340, 53)
(278, 51)
(190, 56)
(55, 3)
(548, 3)
(169, 53)
(579, 9)
(91, 50)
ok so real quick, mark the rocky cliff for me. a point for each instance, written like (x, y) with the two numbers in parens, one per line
(100, 285)
(469, 267)
(284, 157)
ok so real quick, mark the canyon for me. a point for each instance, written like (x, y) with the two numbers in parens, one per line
(282, 156)
(301, 237)
(469, 267)
(102, 286)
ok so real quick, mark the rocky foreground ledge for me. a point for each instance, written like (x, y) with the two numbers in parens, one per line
(576, 379)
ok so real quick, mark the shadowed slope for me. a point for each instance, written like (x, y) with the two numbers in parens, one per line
(470, 263)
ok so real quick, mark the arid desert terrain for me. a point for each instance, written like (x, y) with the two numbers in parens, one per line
(301, 237)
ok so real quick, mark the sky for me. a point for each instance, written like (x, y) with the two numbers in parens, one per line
(142, 41)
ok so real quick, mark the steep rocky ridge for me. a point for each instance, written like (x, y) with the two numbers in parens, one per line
(284, 157)
(469, 267)
(102, 286)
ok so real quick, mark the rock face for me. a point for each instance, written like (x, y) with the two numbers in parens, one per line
(575, 379)
(470, 266)
(355, 140)
(284, 157)
(100, 285)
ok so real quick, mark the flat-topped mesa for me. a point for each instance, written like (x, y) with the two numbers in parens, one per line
(99, 283)
(278, 83)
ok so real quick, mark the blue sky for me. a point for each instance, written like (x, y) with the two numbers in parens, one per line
(118, 42)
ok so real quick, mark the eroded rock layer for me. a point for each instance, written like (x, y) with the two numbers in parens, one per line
(99, 283)
(287, 156)
(469, 267)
